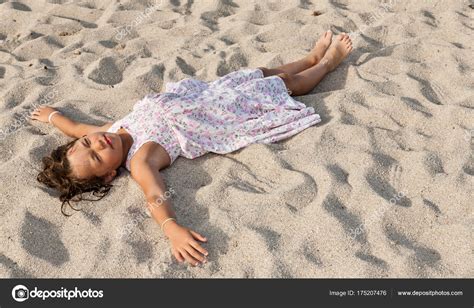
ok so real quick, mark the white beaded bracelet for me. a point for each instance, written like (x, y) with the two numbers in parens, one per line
(49, 118)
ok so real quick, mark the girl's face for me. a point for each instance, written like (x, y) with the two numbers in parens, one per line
(98, 154)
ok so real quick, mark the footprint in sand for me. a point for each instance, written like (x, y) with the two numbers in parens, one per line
(386, 190)
(40, 238)
(415, 105)
(235, 61)
(19, 6)
(432, 206)
(276, 182)
(433, 164)
(430, 90)
(38, 48)
(105, 71)
(469, 166)
(16, 271)
(430, 19)
(339, 4)
(224, 8)
(350, 222)
(185, 67)
(423, 258)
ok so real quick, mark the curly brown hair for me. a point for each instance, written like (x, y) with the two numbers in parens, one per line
(57, 174)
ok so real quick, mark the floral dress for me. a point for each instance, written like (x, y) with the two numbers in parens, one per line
(193, 117)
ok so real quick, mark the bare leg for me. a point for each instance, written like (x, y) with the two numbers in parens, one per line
(305, 81)
(313, 58)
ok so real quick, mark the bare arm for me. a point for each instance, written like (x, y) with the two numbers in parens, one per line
(68, 126)
(184, 242)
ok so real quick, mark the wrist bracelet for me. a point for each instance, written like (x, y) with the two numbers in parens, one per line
(164, 222)
(51, 114)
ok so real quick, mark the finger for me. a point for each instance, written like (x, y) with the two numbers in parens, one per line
(198, 236)
(199, 248)
(178, 256)
(193, 252)
(190, 259)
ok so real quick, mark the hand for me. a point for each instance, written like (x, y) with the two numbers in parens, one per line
(184, 244)
(42, 113)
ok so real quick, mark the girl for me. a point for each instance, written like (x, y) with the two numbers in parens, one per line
(190, 118)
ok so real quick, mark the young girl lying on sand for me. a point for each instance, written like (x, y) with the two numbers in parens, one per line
(190, 118)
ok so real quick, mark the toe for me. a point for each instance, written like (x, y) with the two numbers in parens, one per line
(329, 36)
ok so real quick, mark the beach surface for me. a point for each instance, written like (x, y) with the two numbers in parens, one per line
(382, 187)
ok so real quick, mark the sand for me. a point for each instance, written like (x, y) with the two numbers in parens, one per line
(382, 187)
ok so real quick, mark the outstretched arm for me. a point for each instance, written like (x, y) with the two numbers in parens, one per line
(184, 242)
(68, 126)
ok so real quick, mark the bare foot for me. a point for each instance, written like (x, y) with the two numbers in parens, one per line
(317, 53)
(340, 48)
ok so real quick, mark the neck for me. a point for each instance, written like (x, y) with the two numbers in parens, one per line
(127, 142)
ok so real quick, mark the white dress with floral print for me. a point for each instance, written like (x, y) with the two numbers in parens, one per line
(193, 117)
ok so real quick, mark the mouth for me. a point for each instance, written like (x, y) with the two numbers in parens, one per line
(109, 142)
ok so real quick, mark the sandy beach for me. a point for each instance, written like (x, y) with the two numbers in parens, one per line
(382, 187)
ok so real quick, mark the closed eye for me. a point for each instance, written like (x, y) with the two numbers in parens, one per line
(97, 157)
(88, 143)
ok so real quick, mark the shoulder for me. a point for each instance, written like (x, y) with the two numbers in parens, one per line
(150, 155)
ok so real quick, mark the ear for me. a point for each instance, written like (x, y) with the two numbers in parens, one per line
(110, 176)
